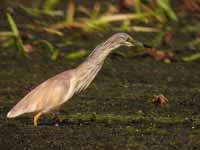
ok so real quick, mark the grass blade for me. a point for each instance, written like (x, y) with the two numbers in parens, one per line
(192, 57)
(12, 25)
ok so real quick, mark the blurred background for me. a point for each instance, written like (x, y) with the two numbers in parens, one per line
(144, 99)
(57, 25)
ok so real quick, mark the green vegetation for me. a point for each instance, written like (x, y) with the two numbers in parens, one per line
(41, 38)
(163, 19)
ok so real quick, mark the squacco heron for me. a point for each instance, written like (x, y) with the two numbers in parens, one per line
(54, 92)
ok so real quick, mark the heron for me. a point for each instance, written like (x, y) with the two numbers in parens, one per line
(51, 94)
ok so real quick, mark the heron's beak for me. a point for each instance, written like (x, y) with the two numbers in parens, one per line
(127, 43)
(132, 42)
(138, 43)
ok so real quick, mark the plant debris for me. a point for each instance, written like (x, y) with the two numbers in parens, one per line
(159, 55)
(160, 100)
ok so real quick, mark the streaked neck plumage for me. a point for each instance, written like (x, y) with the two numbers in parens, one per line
(86, 72)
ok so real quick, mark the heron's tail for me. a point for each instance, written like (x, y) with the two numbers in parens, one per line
(14, 112)
(19, 109)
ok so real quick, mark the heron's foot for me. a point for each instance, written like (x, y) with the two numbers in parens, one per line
(35, 119)
(56, 119)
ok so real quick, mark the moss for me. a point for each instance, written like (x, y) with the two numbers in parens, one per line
(115, 112)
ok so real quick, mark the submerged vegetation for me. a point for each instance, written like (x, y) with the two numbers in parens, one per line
(145, 99)
(53, 18)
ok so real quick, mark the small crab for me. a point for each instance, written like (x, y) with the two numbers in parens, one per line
(160, 99)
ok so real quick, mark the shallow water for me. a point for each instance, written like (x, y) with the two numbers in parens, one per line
(116, 111)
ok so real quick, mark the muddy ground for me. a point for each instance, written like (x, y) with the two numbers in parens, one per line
(115, 112)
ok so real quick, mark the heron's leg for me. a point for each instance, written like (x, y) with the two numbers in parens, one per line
(56, 118)
(36, 117)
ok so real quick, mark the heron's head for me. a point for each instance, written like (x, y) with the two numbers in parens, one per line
(120, 39)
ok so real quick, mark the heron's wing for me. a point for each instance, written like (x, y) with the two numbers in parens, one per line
(47, 95)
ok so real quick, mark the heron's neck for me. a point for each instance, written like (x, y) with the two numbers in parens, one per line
(86, 72)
